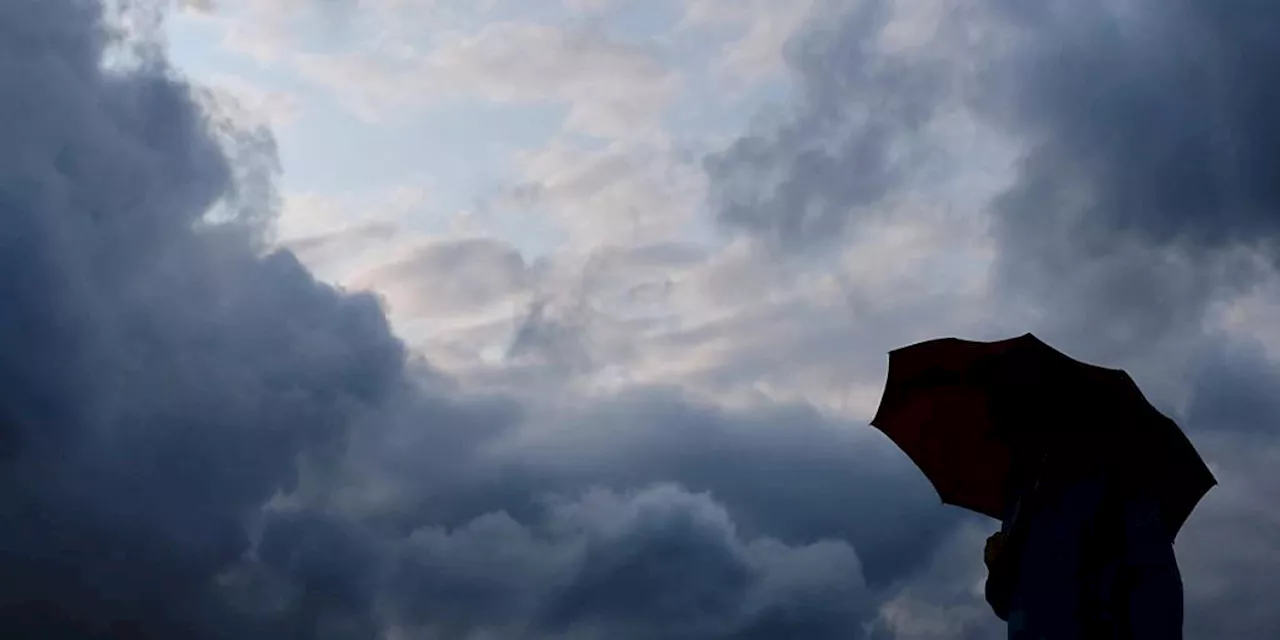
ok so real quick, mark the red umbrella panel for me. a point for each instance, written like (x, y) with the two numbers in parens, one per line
(946, 400)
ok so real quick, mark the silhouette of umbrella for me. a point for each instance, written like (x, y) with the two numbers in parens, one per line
(952, 404)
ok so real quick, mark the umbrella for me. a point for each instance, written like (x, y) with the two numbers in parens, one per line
(951, 404)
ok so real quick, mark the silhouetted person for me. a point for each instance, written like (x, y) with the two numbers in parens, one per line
(1083, 553)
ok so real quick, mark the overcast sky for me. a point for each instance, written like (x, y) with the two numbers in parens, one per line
(563, 319)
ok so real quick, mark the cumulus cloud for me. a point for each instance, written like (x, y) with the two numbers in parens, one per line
(659, 563)
(204, 441)
(161, 374)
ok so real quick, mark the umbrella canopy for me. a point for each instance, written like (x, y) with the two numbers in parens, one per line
(953, 406)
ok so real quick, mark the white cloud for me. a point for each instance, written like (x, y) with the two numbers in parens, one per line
(588, 6)
(340, 235)
(760, 28)
(448, 280)
(751, 330)
(262, 105)
(272, 31)
(612, 88)
(730, 324)
(619, 193)
(312, 214)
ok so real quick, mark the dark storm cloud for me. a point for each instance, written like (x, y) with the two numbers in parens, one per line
(560, 531)
(199, 440)
(659, 563)
(1152, 168)
(1235, 389)
(810, 480)
(1153, 155)
(1160, 112)
(159, 377)
(1149, 184)
(778, 524)
(785, 474)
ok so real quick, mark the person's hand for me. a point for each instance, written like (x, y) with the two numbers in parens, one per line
(992, 549)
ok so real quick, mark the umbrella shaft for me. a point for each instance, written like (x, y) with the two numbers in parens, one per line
(1022, 496)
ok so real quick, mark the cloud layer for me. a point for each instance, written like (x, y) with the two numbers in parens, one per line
(1143, 205)
(203, 441)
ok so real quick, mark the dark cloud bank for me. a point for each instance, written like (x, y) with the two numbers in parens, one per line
(1148, 192)
(201, 441)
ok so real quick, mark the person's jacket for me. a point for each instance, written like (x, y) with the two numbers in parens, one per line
(1084, 558)
(1102, 548)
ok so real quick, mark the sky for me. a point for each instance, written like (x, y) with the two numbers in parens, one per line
(563, 319)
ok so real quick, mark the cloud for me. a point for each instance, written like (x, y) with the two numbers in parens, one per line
(762, 30)
(856, 139)
(588, 6)
(161, 374)
(553, 526)
(270, 32)
(339, 236)
(445, 278)
(946, 601)
(658, 563)
(204, 441)
(198, 6)
(260, 106)
(1153, 144)
(1208, 187)
(1152, 157)
(618, 193)
(612, 88)
(813, 479)
(1141, 206)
